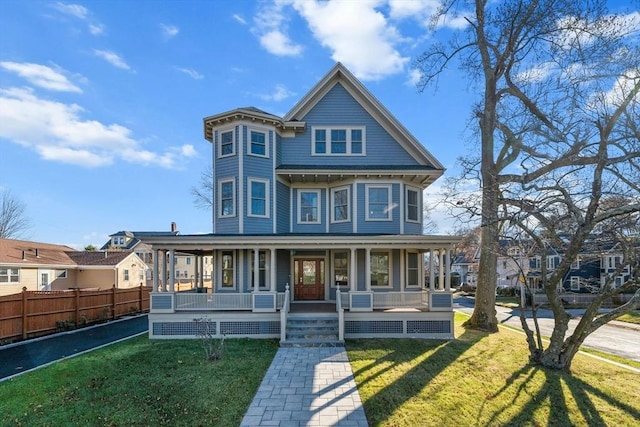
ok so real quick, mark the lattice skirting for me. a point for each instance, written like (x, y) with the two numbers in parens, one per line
(171, 328)
(398, 328)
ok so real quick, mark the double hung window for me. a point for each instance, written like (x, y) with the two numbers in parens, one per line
(227, 270)
(378, 202)
(227, 198)
(227, 143)
(309, 205)
(412, 199)
(379, 269)
(258, 143)
(259, 195)
(340, 204)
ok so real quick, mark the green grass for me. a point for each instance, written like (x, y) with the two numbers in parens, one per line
(484, 379)
(139, 383)
(633, 317)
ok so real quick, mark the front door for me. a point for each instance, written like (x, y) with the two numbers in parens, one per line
(44, 282)
(309, 276)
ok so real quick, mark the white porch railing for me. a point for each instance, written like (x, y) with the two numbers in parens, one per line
(284, 311)
(386, 300)
(193, 301)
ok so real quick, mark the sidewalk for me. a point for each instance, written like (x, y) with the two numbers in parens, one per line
(27, 355)
(307, 386)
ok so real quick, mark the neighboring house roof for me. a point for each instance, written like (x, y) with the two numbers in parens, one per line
(26, 253)
(98, 258)
(135, 237)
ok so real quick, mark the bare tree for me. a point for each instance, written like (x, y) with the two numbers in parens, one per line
(203, 192)
(13, 219)
(540, 66)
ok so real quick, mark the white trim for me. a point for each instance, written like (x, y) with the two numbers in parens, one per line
(262, 130)
(267, 199)
(389, 188)
(232, 130)
(332, 193)
(348, 140)
(575, 280)
(233, 198)
(318, 192)
(406, 203)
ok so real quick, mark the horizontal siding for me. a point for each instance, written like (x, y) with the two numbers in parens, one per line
(339, 108)
(283, 215)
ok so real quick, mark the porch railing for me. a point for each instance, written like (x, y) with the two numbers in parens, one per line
(193, 301)
(284, 312)
(384, 300)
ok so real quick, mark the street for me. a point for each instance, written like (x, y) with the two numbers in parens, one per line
(616, 338)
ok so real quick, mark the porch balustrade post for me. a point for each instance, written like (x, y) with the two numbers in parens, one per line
(172, 270)
(441, 269)
(367, 268)
(155, 270)
(352, 271)
(272, 269)
(432, 273)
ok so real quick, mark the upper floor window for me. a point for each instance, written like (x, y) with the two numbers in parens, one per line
(259, 196)
(553, 261)
(227, 143)
(9, 275)
(378, 202)
(338, 141)
(340, 204)
(308, 206)
(126, 275)
(118, 241)
(575, 283)
(413, 200)
(258, 143)
(227, 197)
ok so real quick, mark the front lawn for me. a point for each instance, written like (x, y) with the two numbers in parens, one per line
(140, 383)
(484, 379)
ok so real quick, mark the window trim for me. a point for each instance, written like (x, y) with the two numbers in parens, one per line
(233, 198)
(231, 130)
(389, 189)
(418, 200)
(407, 269)
(333, 268)
(250, 142)
(574, 280)
(9, 275)
(318, 208)
(335, 190)
(348, 149)
(267, 261)
(389, 285)
(250, 213)
(220, 284)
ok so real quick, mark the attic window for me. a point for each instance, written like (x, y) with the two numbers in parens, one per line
(338, 141)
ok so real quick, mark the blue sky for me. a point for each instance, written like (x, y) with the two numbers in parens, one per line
(101, 102)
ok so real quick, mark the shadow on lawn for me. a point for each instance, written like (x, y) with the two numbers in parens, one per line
(439, 355)
(552, 395)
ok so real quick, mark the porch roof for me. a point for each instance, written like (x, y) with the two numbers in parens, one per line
(201, 243)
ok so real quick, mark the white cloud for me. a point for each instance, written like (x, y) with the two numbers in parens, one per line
(112, 58)
(58, 132)
(41, 76)
(239, 18)
(169, 31)
(279, 44)
(76, 10)
(271, 27)
(414, 77)
(279, 93)
(191, 73)
(188, 150)
(96, 29)
(537, 73)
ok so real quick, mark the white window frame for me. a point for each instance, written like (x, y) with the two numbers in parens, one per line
(389, 285)
(333, 269)
(233, 198)
(575, 265)
(319, 207)
(250, 212)
(418, 201)
(231, 130)
(264, 268)
(575, 283)
(125, 274)
(233, 269)
(265, 132)
(550, 261)
(348, 150)
(333, 204)
(8, 274)
(417, 269)
(388, 187)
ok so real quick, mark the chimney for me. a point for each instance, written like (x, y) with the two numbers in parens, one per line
(174, 227)
(24, 256)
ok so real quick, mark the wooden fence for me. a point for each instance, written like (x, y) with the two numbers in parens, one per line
(35, 313)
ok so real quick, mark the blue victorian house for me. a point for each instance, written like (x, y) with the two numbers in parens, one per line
(317, 228)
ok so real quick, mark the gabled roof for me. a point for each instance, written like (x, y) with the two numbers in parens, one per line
(83, 259)
(340, 74)
(135, 237)
(22, 252)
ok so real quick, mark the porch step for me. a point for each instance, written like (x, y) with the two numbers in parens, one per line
(312, 330)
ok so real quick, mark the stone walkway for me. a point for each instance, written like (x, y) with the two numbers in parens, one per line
(307, 386)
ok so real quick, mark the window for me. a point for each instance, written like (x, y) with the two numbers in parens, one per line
(228, 272)
(227, 196)
(227, 145)
(308, 206)
(126, 275)
(259, 196)
(188, 260)
(61, 274)
(379, 269)
(258, 143)
(553, 261)
(378, 203)
(340, 209)
(575, 283)
(344, 141)
(141, 274)
(262, 269)
(341, 269)
(575, 265)
(412, 205)
(9, 275)
(412, 269)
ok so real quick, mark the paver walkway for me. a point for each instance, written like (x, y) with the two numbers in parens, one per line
(307, 386)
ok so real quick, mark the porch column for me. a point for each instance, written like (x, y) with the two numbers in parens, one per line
(367, 268)
(165, 287)
(172, 270)
(440, 269)
(447, 283)
(432, 273)
(256, 270)
(201, 260)
(272, 270)
(156, 253)
(403, 270)
(352, 271)
(196, 268)
(421, 270)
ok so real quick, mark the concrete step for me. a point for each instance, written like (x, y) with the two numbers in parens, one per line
(312, 343)
(312, 330)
